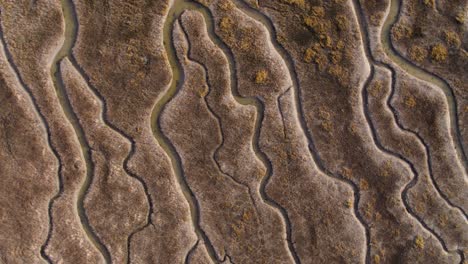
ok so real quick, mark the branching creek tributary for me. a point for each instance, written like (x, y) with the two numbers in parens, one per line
(177, 8)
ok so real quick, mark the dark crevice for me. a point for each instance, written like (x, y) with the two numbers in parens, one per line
(132, 142)
(90, 178)
(414, 179)
(259, 105)
(218, 119)
(109, 124)
(227, 257)
(290, 62)
(210, 109)
(88, 229)
(104, 112)
(191, 252)
(423, 142)
(365, 101)
(85, 148)
(368, 53)
(233, 83)
(280, 108)
(47, 129)
(178, 164)
(266, 179)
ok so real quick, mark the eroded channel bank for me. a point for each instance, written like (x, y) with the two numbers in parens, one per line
(392, 18)
(177, 8)
(70, 34)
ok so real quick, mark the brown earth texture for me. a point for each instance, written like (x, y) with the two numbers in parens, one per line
(233, 131)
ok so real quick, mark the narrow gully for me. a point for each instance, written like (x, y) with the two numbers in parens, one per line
(422, 74)
(47, 130)
(177, 7)
(385, 41)
(268, 23)
(260, 155)
(70, 35)
(357, 9)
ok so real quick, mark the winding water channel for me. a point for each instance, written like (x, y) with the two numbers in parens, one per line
(178, 7)
(419, 73)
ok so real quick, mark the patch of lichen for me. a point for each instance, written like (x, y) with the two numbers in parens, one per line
(226, 5)
(385, 170)
(315, 19)
(339, 73)
(460, 17)
(429, 3)
(439, 53)
(202, 92)
(376, 19)
(299, 3)
(419, 242)
(369, 207)
(325, 119)
(363, 185)
(341, 22)
(317, 55)
(226, 30)
(402, 31)
(336, 56)
(418, 53)
(327, 57)
(261, 77)
(318, 25)
(376, 89)
(410, 102)
(325, 41)
(225, 24)
(452, 39)
(317, 11)
(242, 38)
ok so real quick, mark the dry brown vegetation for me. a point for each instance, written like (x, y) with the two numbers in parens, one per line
(282, 131)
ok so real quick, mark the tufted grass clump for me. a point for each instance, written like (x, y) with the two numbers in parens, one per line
(401, 32)
(261, 77)
(418, 53)
(439, 53)
(452, 39)
(419, 242)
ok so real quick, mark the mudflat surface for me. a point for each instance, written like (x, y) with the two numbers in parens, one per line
(233, 131)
